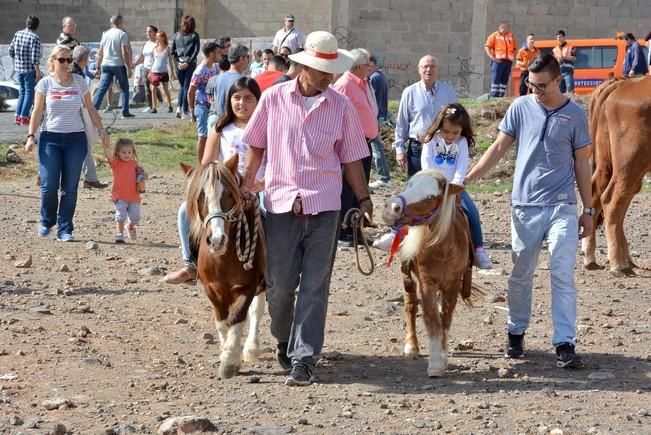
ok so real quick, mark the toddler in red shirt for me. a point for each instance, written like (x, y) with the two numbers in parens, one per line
(126, 190)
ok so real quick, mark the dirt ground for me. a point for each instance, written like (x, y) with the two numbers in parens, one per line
(98, 329)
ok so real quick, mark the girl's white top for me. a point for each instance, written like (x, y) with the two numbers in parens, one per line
(456, 172)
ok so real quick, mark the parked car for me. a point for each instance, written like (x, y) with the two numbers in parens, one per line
(597, 60)
(9, 90)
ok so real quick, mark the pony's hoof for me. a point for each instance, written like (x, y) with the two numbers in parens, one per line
(251, 355)
(623, 272)
(410, 351)
(435, 372)
(593, 266)
(227, 371)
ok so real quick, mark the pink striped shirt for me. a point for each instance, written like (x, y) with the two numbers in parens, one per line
(359, 93)
(305, 149)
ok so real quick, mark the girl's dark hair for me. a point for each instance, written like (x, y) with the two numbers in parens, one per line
(188, 24)
(456, 114)
(229, 116)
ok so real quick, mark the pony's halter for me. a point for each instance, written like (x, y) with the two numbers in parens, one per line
(414, 219)
(230, 216)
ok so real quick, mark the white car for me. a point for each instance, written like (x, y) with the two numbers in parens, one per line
(9, 90)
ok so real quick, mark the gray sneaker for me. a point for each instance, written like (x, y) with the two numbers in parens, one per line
(300, 376)
(567, 358)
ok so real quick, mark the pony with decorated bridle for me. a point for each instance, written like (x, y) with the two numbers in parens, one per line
(436, 254)
(227, 233)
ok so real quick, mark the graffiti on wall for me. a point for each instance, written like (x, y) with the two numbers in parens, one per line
(464, 76)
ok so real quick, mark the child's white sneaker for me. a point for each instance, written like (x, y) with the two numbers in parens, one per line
(133, 234)
(385, 242)
(119, 239)
(482, 260)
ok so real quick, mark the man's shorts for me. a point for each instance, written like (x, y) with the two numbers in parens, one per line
(202, 121)
(156, 79)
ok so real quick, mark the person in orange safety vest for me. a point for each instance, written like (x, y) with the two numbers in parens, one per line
(500, 48)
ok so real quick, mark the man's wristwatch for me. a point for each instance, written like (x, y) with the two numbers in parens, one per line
(588, 210)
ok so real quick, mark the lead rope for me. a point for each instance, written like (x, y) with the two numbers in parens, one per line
(250, 241)
(354, 218)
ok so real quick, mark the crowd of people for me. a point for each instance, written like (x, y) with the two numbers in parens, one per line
(304, 117)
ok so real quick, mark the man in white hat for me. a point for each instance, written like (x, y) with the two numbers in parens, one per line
(308, 131)
(289, 36)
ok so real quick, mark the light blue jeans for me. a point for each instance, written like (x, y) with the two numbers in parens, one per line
(184, 235)
(529, 227)
(90, 170)
(380, 159)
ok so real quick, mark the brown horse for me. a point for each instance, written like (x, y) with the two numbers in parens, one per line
(620, 125)
(231, 258)
(437, 254)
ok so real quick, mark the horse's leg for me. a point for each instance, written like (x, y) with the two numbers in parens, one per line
(448, 305)
(231, 356)
(411, 309)
(252, 344)
(600, 181)
(431, 301)
(619, 195)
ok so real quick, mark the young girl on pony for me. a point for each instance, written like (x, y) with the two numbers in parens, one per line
(128, 182)
(224, 140)
(445, 148)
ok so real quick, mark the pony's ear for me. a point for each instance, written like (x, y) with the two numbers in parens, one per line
(185, 168)
(455, 189)
(231, 164)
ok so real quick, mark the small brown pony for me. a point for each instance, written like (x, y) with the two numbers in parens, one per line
(436, 254)
(231, 258)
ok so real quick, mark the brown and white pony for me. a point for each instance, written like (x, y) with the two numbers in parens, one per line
(620, 125)
(436, 255)
(231, 258)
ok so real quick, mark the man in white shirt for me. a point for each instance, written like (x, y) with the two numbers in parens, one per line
(289, 36)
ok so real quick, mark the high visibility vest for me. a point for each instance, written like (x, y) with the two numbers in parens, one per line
(563, 51)
(503, 46)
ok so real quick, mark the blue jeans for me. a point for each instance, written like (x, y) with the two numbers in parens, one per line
(60, 158)
(529, 227)
(500, 73)
(380, 159)
(184, 235)
(27, 81)
(414, 150)
(567, 82)
(300, 253)
(184, 76)
(202, 120)
(106, 79)
(471, 211)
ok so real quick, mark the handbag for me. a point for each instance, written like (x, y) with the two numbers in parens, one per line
(92, 135)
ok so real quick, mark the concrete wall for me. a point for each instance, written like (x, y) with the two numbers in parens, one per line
(398, 31)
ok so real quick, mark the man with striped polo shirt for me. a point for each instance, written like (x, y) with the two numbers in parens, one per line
(308, 131)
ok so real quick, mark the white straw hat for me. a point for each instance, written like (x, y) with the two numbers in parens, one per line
(321, 53)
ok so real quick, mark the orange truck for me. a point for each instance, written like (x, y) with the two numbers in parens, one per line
(597, 60)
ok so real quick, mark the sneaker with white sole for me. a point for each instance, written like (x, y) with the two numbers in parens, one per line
(385, 242)
(132, 233)
(146, 110)
(567, 358)
(119, 239)
(65, 237)
(300, 376)
(482, 260)
(43, 231)
(379, 184)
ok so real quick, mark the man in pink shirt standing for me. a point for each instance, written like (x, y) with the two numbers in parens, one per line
(308, 131)
(355, 85)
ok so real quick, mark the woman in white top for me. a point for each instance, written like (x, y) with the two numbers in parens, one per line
(62, 142)
(146, 57)
(159, 70)
(223, 142)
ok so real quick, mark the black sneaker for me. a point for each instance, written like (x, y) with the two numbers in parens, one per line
(515, 347)
(300, 376)
(281, 355)
(567, 358)
(127, 115)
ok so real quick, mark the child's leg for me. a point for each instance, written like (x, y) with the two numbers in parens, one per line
(133, 211)
(120, 219)
(471, 211)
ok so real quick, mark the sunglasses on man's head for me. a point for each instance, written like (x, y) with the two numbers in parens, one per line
(64, 59)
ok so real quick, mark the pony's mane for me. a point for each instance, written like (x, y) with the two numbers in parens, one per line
(433, 232)
(202, 181)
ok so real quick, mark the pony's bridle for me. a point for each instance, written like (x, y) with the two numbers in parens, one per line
(230, 216)
(407, 218)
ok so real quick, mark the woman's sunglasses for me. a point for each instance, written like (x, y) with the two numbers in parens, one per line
(64, 59)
